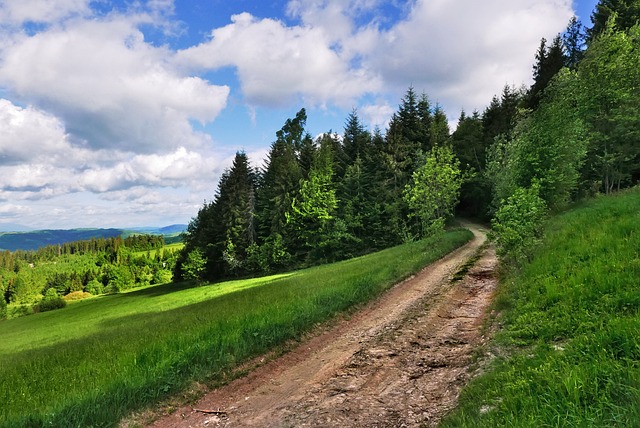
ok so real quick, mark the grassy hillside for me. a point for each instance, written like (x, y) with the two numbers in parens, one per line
(94, 361)
(571, 328)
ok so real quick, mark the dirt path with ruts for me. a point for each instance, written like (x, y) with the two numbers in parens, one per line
(400, 361)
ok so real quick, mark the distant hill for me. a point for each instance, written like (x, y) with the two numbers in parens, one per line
(32, 240)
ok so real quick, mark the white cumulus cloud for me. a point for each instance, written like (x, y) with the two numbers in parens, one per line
(276, 63)
(111, 88)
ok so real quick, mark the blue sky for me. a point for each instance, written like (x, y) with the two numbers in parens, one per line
(125, 113)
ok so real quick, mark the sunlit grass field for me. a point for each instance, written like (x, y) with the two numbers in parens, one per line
(571, 327)
(169, 248)
(97, 360)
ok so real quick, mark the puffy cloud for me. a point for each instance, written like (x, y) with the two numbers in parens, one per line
(27, 132)
(462, 53)
(377, 115)
(13, 210)
(111, 88)
(16, 12)
(43, 179)
(170, 170)
(276, 63)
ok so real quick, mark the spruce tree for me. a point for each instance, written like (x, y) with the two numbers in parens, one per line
(439, 129)
(573, 41)
(355, 138)
(280, 179)
(549, 60)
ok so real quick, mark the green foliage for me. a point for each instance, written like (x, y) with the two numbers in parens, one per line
(81, 266)
(95, 287)
(609, 101)
(548, 147)
(570, 337)
(51, 301)
(193, 267)
(3, 308)
(272, 256)
(313, 210)
(435, 189)
(280, 180)
(160, 276)
(125, 352)
(549, 60)
(517, 225)
(624, 13)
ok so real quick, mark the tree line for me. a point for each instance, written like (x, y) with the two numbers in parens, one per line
(573, 133)
(317, 201)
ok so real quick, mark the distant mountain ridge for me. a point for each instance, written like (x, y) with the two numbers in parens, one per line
(34, 239)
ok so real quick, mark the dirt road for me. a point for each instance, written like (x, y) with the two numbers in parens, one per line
(400, 361)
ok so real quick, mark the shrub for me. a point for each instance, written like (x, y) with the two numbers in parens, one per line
(76, 295)
(3, 308)
(194, 265)
(162, 276)
(95, 287)
(517, 224)
(51, 301)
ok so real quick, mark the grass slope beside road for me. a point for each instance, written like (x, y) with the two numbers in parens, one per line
(95, 361)
(571, 326)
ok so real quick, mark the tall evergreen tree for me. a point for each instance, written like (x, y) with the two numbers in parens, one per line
(425, 124)
(549, 60)
(573, 41)
(224, 229)
(439, 129)
(609, 98)
(467, 142)
(355, 139)
(280, 179)
(236, 212)
(279, 184)
(626, 14)
(500, 117)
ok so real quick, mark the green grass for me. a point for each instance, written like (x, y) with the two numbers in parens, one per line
(571, 328)
(97, 360)
(169, 248)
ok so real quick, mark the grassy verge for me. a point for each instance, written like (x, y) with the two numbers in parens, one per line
(95, 361)
(571, 328)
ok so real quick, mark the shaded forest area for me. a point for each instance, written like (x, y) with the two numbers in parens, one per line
(574, 133)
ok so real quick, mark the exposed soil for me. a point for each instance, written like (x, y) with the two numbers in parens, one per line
(399, 362)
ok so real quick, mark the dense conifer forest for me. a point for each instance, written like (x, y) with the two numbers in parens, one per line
(573, 133)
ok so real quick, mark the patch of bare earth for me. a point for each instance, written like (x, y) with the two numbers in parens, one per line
(400, 361)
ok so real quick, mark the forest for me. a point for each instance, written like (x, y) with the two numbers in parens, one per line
(38, 280)
(572, 134)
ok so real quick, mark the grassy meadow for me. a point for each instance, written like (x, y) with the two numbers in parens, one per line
(570, 336)
(97, 360)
